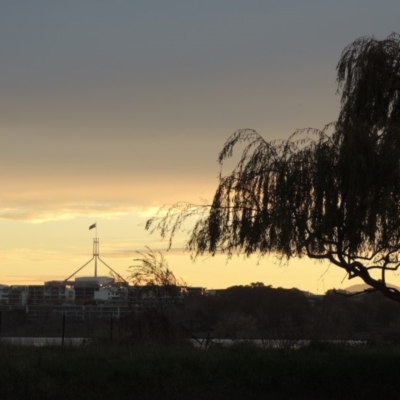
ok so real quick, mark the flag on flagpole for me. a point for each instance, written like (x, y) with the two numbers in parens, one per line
(92, 226)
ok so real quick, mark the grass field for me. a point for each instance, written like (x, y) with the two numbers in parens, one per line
(104, 371)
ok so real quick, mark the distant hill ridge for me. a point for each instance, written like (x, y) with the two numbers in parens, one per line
(362, 286)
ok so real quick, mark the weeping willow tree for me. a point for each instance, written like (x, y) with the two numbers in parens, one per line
(330, 194)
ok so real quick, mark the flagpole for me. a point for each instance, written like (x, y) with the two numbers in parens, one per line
(95, 248)
(97, 254)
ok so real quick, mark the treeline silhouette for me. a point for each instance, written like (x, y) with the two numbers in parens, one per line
(264, 312)
(254, 311)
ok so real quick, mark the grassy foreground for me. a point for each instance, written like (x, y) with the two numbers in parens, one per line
(240, 372)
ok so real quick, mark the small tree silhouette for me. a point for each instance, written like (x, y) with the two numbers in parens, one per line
(156, 292)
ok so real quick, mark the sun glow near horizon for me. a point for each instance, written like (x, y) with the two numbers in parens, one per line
(71, 247)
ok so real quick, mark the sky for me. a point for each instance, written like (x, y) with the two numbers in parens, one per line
(111, 109)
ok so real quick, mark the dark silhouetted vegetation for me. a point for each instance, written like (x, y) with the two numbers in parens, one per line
(330, 194)
(240, 372)
(236, 313)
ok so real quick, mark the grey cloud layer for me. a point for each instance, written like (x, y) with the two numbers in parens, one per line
(129, 103)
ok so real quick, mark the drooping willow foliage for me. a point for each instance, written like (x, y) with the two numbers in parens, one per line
(331, 194)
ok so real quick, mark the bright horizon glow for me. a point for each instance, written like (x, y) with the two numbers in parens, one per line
(62, 259)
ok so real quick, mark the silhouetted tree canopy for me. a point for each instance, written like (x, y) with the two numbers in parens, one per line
(153, 281)
(329, 194)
